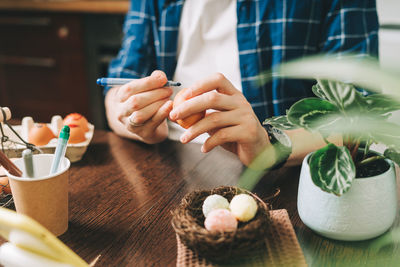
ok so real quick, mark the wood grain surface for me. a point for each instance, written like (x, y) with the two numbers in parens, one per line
(122, 193)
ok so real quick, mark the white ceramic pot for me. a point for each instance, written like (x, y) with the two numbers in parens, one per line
(367, 210)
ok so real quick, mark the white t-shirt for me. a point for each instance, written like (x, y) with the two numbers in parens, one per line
(207, 44)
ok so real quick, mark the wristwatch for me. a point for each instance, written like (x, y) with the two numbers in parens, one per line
(281, 143)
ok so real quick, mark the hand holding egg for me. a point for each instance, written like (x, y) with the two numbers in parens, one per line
(190, 120)
(228, 122)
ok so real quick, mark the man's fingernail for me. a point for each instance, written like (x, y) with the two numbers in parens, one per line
(184, 138)
(156, 74)
(203, 149)
(172, 115)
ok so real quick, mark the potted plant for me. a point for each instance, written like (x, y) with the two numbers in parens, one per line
(346, 192)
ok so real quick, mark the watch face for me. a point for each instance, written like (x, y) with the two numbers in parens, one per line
(281, 136)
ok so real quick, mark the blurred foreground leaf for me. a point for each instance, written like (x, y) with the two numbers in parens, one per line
(365, 73)
(389, 238)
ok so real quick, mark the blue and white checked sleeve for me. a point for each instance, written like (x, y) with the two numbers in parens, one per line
(337, 26)
(351, 26)
(136, 57)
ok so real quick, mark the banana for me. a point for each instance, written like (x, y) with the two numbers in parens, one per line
(28, 236)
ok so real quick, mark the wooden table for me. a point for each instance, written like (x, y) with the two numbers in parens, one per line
(122, 192)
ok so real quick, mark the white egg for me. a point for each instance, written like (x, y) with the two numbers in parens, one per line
(213, 202)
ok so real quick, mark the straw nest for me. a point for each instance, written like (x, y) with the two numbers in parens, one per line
(188, 222)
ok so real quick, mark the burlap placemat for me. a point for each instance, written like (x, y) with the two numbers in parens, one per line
(282, 248)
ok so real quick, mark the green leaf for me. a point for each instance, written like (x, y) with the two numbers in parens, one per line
(318, 91)
(332, 169)
(393, 155)
(313, 114)
(257, 169)
(344, 96)
(367, 124)
(280, 122)
(380, 104)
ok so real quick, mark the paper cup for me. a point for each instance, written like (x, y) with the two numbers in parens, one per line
(44, 197)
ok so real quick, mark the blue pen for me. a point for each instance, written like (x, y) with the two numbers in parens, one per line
(121, 81)
(60, 149)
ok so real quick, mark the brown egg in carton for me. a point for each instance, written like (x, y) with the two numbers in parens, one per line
(44, 136)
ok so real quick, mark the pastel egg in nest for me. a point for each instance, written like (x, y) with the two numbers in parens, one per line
(40, 134)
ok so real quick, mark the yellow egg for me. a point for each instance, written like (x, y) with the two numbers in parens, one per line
(243, 207)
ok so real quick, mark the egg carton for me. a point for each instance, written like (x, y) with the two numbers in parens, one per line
(74, 152)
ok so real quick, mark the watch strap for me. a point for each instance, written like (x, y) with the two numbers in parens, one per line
(281, 143)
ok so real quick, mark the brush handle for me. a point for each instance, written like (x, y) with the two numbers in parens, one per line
(9, 166)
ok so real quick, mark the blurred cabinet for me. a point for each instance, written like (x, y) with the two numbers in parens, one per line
(42, 65)
(49, 62)
(103, 36)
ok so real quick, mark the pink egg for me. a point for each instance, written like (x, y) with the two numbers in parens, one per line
(220, 220)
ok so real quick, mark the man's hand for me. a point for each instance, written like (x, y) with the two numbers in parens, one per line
(138, 110)
(233, 125)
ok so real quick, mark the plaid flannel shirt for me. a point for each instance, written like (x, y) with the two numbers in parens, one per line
(268, 31)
